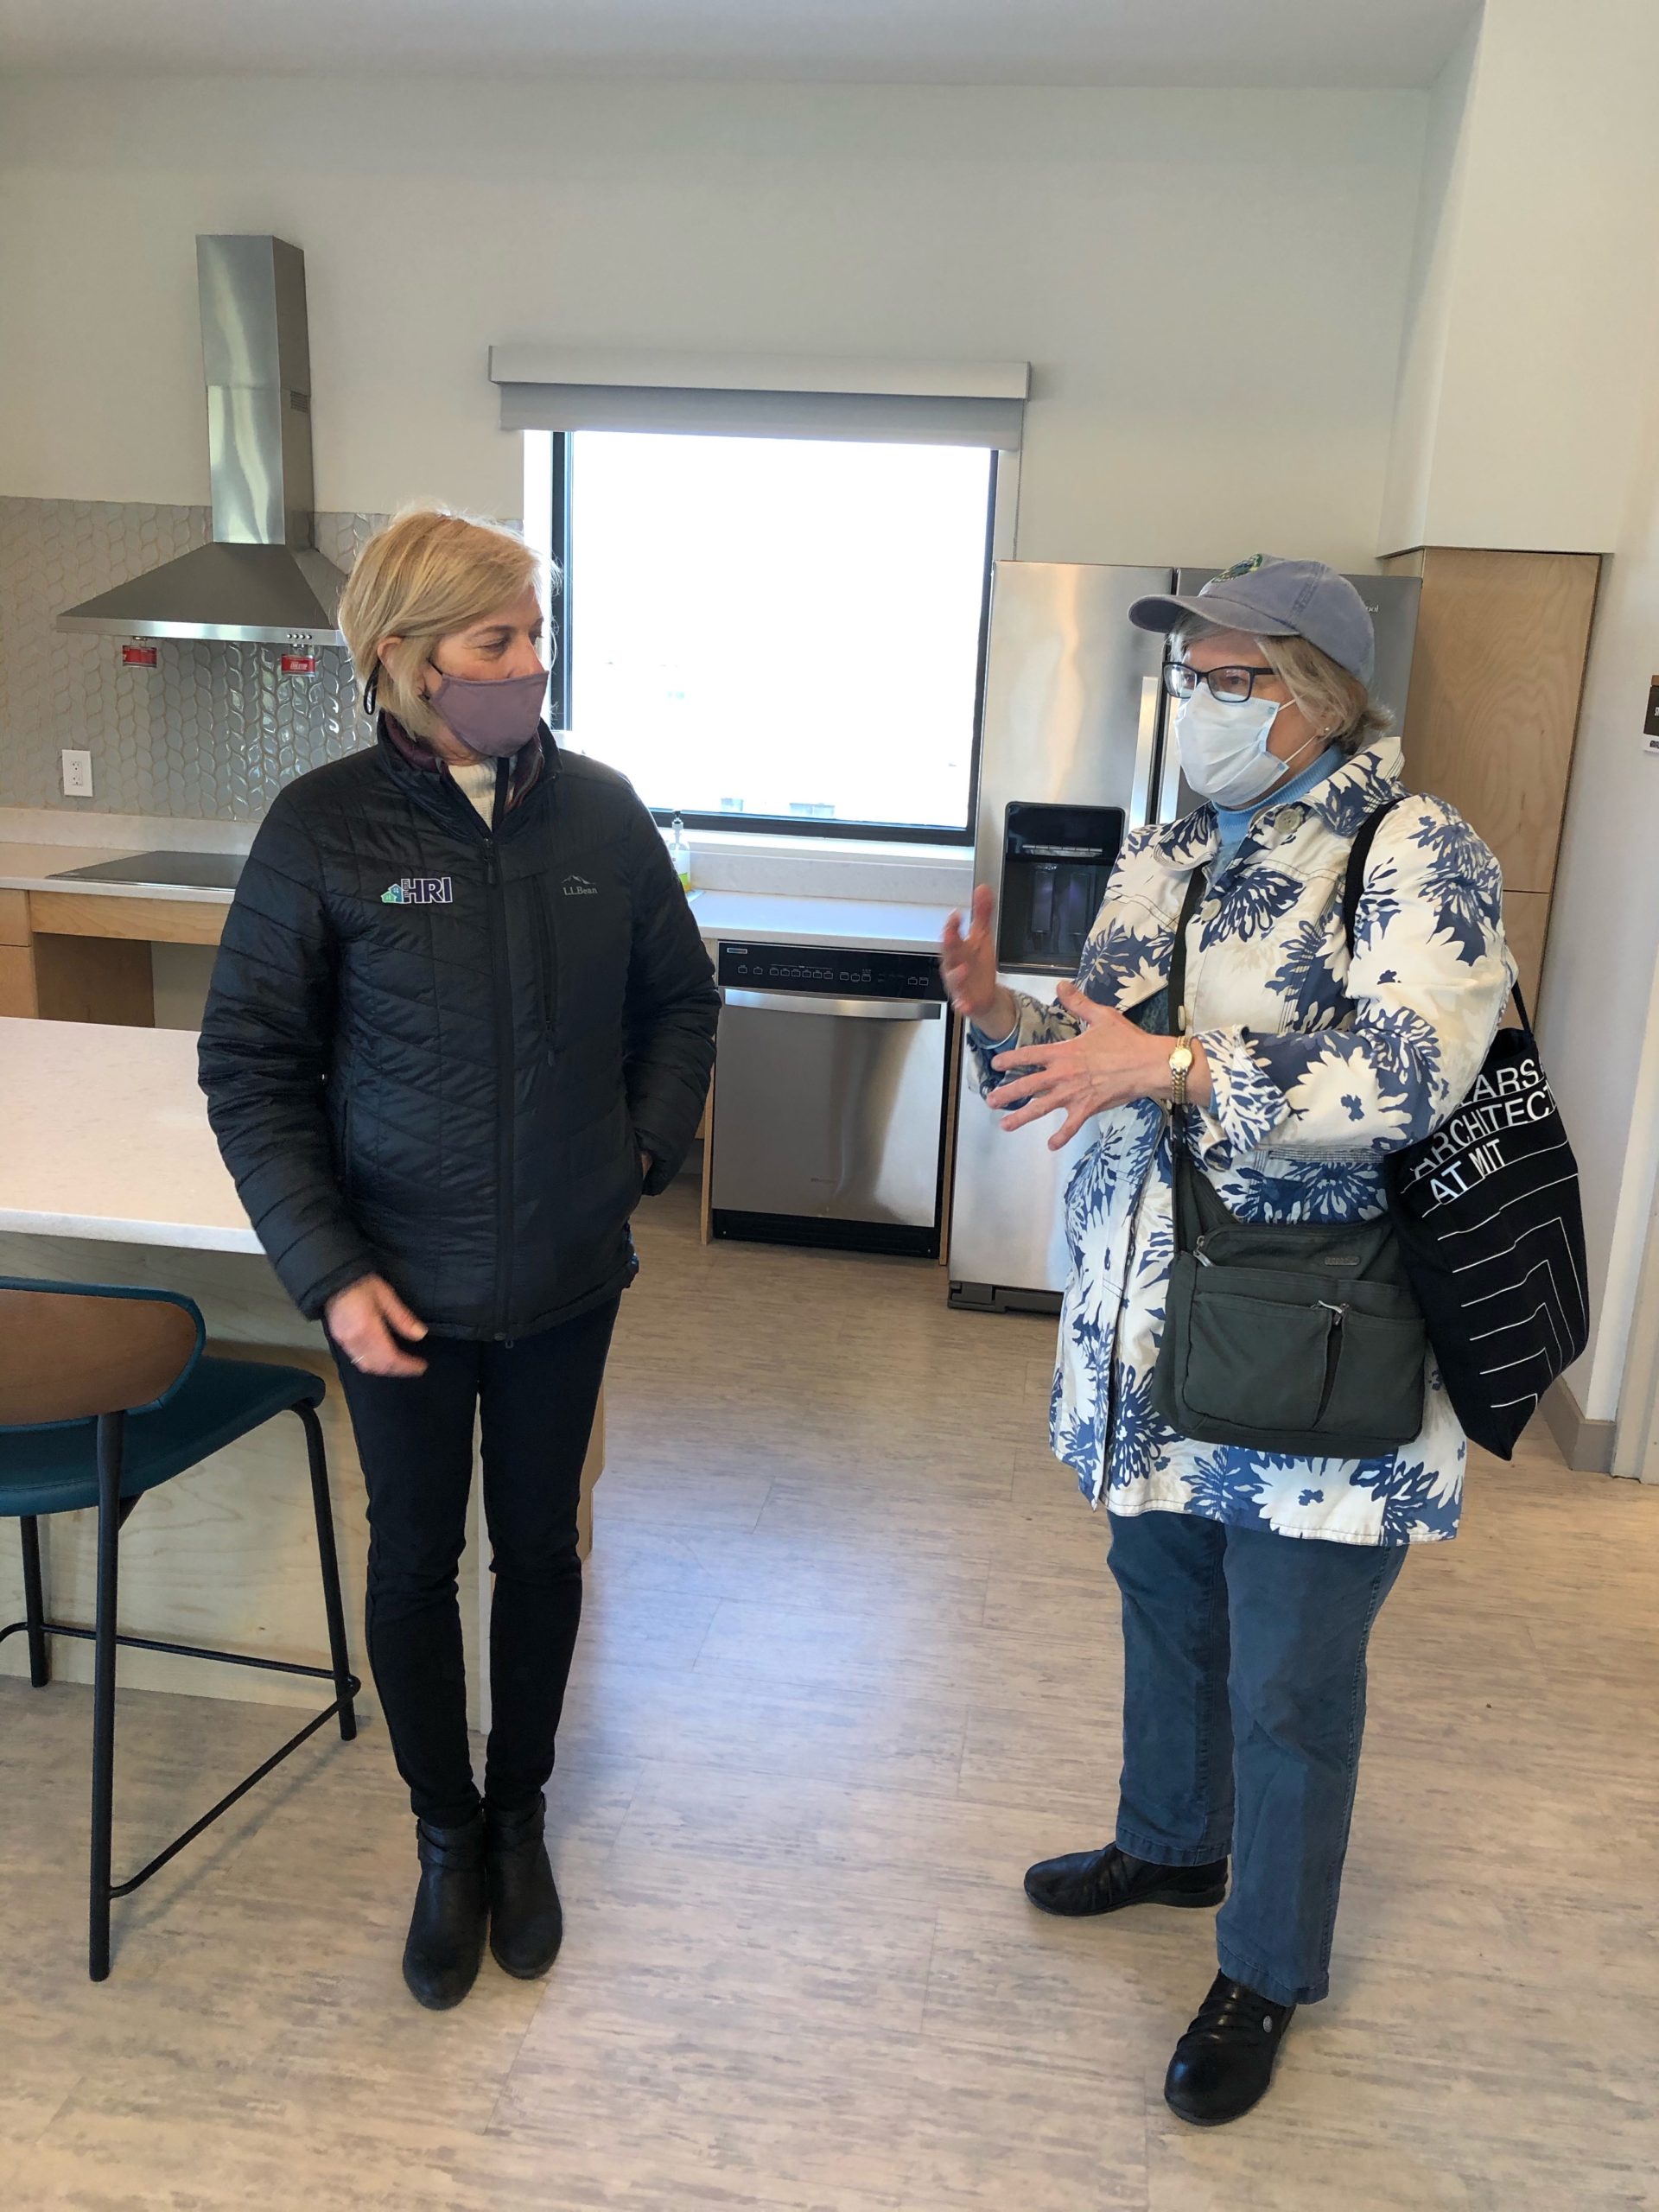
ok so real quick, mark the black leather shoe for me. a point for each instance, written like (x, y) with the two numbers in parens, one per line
(446, 1934)
(1105, 1881)
(1224, 2063)
(526, 1921)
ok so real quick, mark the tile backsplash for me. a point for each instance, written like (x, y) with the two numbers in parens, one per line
(212, 731)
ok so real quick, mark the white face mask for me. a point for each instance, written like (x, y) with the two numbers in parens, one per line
(1223, 746)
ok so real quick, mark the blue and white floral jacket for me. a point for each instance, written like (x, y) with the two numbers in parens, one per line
(1320, 1068)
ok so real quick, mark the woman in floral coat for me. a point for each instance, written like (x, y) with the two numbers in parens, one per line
(1249, 1579)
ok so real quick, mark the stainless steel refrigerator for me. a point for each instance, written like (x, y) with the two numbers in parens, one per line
(1074, 752)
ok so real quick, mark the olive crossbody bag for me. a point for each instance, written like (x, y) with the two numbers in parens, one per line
(1292, 1336)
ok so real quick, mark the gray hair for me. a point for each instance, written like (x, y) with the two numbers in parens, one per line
(1336, 702)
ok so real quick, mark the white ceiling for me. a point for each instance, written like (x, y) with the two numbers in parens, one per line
(1247, 42)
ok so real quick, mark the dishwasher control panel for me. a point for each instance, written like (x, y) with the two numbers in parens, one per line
(836, 970)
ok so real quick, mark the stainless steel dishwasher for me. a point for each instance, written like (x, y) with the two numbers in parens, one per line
(829, 1097)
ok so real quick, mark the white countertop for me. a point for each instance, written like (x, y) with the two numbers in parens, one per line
(106, 1137)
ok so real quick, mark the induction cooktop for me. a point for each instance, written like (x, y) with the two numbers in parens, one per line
(170, 871)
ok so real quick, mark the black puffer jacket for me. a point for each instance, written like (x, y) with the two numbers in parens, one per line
(436, 1054)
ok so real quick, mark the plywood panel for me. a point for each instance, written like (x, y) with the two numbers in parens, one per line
(1526, 923)
(16, 980)
(1495, 685)
(167, 921)
(94, 979)
(14, 918)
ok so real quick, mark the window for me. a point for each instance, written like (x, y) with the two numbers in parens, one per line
(784, 633)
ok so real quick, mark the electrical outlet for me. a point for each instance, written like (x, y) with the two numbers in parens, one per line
(78, 775)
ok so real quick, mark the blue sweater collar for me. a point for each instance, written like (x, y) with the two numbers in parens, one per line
(1234, 822)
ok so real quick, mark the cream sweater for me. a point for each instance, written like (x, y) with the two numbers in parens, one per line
(477, 779)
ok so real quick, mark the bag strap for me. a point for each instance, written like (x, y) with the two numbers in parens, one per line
(1353, 888)
(1184, 1209)
(1353, 884)
(1178, 951)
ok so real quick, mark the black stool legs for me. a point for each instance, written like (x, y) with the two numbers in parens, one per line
(345, 1684)
(39, 1651)
(105, 1639)
(110, 1430)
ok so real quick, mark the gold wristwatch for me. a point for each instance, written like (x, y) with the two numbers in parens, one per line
(1180, 1064)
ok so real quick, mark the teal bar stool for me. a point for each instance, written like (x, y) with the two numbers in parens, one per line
(105, 1393)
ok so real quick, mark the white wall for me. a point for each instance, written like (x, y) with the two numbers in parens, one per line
(1524, 376)
(1431, 292)
(1600, 1019)
(1528, 415)
(1197, 397)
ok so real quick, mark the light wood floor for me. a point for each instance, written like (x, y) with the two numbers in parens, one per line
(849, 1663)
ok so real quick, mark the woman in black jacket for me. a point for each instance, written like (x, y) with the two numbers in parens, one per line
(461, 1018)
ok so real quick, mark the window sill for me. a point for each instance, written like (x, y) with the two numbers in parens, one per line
(830, 867)
(884, 849)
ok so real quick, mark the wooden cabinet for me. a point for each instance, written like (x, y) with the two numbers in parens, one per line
(1493, 709)
(71, 975)
(142, 921)
(17, 958)
(17, 980)
(1526, 923)
(94, 979)
(68, 955)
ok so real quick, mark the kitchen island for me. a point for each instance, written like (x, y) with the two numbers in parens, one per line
(109, 1173)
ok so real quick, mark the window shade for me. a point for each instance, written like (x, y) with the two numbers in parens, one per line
(904, 402)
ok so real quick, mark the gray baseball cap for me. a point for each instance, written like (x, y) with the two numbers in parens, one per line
(1270, 598)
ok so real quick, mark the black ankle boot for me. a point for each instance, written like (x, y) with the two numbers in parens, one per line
(1105, 1881)
(1224, 2063)
(446, 1934)
(526, 1921)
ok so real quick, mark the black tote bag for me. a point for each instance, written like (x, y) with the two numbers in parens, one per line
(1490, 1226)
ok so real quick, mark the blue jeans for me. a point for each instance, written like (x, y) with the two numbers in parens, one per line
(1243, 1708)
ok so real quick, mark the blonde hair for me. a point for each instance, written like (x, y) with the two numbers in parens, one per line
(428, 574)
(1335, 702)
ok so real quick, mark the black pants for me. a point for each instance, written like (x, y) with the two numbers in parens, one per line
(536, 1398)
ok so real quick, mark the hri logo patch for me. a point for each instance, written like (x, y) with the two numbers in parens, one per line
(577, 887)
(420, 891)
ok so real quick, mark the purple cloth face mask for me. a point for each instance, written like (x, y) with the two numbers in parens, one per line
(492, 716)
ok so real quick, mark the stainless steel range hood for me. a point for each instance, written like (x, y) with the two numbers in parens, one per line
(261, 580)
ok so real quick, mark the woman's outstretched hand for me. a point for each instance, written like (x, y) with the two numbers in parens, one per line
(365, 1320)
(967, 970)
(1107, 1063)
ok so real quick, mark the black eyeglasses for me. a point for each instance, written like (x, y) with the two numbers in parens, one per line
(1181, 680)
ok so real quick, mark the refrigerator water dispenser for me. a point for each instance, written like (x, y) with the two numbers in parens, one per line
(1056, 860)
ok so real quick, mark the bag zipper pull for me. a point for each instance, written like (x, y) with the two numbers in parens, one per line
(1200, 1254)
(1333, 1344)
